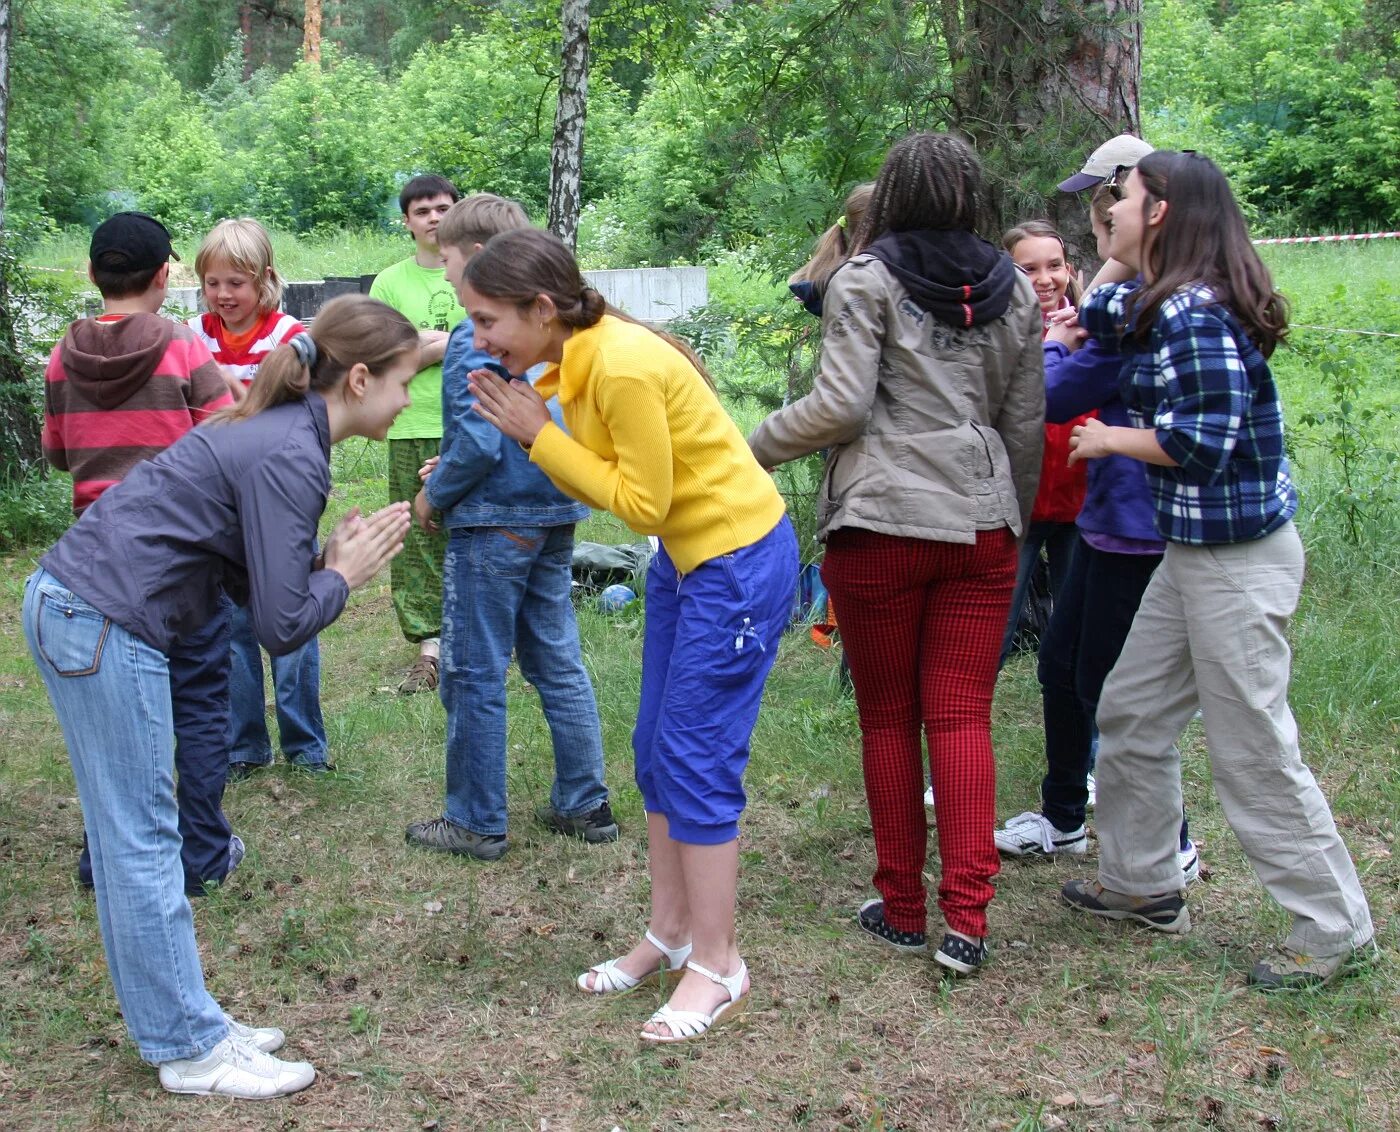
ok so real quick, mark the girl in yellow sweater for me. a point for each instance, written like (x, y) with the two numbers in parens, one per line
(649, 441)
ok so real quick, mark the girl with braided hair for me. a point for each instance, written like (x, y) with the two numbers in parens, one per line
(930, 398)
(230, 508)
(649, 441)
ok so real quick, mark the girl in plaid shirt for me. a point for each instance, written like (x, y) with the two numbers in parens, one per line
(1211, 630)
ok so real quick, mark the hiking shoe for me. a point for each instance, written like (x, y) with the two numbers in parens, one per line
(961, 956)
(871, 918)
(269, 1039)
(236, 1069)
(422, 676)
(1190, 861)
(1166, 913)
(236, 853)
(1032, 835)
(448, 837)
(594, 826)
(1287, 969)
(237, 772)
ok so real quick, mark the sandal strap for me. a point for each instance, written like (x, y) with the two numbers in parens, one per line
(676, 957)
(682, 1023)
(609, 977)
(733, 984)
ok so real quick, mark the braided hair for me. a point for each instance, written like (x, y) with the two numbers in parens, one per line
(928, 181)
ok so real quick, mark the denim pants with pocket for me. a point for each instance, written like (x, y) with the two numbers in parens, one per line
(296, 682)
(111, 693)
(507, 589)
(711, 640)
(199, 699)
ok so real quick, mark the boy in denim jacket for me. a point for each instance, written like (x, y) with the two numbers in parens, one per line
(506, 583)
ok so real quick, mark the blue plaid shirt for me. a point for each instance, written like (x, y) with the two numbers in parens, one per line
(1207, 391)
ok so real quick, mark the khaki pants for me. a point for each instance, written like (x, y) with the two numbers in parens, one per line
(1210, 633)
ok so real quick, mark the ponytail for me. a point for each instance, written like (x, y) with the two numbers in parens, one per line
(834, 246)
(347, 330)
(519, 265)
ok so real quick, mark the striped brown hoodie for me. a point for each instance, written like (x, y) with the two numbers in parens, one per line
(118, 390)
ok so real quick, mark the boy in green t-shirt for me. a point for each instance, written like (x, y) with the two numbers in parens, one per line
(418, 288)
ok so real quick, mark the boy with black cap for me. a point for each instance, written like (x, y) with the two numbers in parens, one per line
(119, 388)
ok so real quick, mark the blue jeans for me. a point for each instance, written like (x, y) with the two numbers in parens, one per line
(296, 682)
(199, 665)
(111, 693)
(711, 640)
(1059, 540)
(504, 589)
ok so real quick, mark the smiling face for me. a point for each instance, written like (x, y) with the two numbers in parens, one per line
(1042, 258)
(385, 397)
(232, 294)
(1133, 222)
(422, 219)
(516, 337)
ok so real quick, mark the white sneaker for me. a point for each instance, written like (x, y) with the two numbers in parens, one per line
(235, 1069)
(1032, 835)
(928, 796)
(269, 1039)
(1190, 861)
(1093, 793)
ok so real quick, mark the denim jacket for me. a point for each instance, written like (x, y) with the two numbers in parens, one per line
(483, 478)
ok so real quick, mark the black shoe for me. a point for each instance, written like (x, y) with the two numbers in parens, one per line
(594, 826)
(871, 918)
(448, 837)
(237, 772)
(961, 956)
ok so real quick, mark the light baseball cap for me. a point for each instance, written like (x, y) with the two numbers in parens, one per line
(1122, 152)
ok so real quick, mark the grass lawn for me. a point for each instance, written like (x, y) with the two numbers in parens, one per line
(438, 993)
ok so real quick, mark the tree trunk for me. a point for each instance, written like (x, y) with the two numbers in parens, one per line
(311, 37)
(566, 153)
(245, 28)
(1038, 85)
(4, 104)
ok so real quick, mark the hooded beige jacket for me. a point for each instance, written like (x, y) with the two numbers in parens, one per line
(934, 431)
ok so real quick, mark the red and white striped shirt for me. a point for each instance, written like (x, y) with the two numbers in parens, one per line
(240, 355)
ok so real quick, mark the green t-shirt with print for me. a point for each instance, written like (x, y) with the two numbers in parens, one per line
(424, 296)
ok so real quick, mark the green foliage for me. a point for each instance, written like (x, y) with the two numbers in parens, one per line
(319, 158)
(1298, 102)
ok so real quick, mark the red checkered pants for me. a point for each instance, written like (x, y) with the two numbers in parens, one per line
(922, 624)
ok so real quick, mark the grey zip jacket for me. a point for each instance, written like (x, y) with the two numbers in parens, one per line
(934, 431)
(227, 508)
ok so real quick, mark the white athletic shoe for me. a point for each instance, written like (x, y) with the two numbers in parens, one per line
(1032, 835)
(236, 1069)
(928, 796)
(269, 1039)
(1093, 793)
(1190, 861)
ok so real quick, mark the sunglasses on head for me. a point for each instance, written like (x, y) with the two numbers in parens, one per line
(1115, 183)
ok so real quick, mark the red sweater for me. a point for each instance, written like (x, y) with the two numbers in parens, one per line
(119, 390)
(1060, 496)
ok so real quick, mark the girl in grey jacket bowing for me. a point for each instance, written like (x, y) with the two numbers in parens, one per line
(231, 507)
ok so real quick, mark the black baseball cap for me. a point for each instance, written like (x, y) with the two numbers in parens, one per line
(130, 241)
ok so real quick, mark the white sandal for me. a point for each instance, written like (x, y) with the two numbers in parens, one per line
(612, 979)
(686, 1025)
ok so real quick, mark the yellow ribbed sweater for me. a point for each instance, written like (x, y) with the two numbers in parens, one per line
(649, 441)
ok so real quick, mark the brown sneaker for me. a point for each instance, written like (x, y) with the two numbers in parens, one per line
(1286, 969)
(422, 677)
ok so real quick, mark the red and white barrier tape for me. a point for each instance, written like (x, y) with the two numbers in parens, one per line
(1331, 239)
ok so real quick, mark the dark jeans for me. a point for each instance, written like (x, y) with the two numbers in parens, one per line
(1094, 609)
(199, 703)
(1059, 540)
